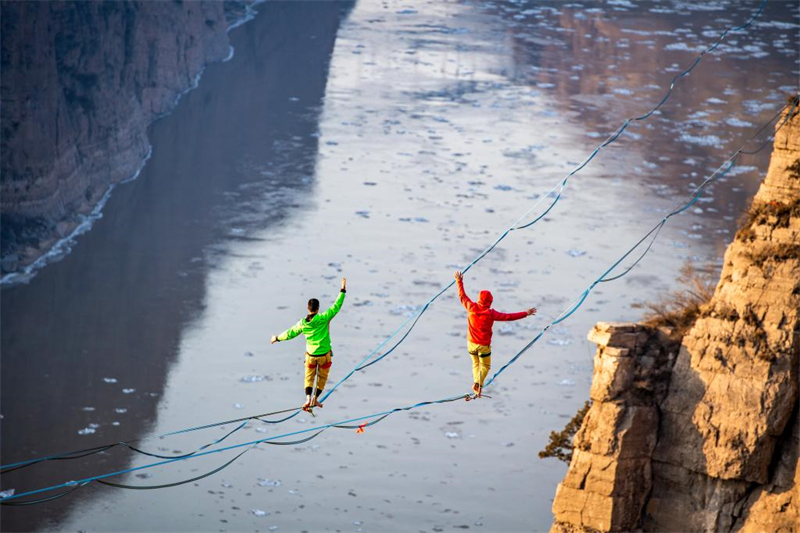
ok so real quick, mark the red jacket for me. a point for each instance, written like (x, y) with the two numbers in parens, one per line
(481, 317)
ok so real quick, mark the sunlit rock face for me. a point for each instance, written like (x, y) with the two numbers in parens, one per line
(81, 82)
(718, 449)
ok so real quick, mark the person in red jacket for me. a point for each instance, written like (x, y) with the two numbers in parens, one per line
(480, 318)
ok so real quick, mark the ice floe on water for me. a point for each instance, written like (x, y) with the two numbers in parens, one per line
(110, 380)
(257, 378)
(264, 482)
(7, 493)
(702, 140)
(738, 123)
(259, 513)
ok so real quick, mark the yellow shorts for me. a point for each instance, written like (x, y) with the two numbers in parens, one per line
(318, 365)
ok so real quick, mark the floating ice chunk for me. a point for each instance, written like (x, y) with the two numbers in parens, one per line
(684, 47)
(253, 379)
(261, 430)
(566, 383)
(754, 106)
(121, 410)
(7, 493)
(262, 482)
(128, 391)
(558, 342)
(259, 512)
(576, 253)
(452, 435)
(622, 91)
(115, 423)
(238, 406)
(293, 491)
(737, 123)
(357, 522)
(273, 528)
(702, 140)
(741, 169)
(110, 380)
(86, 431)
(88, 409)
(227, 485)
(714, 100)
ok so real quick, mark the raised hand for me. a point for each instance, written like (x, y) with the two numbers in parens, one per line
(531, 311)
(458, 275)
(274, 339)
(344, 284)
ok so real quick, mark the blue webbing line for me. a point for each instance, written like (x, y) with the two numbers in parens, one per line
(565, 314)
(573, 307)
(561, 185)
(231, 447)
(647, 115)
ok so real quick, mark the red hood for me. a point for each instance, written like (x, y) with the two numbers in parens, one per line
(485, 298)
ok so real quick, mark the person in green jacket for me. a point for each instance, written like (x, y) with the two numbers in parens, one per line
(319, 355)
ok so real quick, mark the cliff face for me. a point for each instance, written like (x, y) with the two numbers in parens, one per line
(703, 435)
(81, 82)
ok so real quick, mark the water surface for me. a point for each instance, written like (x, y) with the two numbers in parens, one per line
(435, 127)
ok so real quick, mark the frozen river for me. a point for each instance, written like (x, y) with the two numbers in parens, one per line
(389, 142)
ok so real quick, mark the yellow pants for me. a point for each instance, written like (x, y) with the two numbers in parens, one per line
(318, 365)
(481, 361)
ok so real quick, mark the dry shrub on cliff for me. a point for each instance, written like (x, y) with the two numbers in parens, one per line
(560, 445)
(677, 310)
(775, 214)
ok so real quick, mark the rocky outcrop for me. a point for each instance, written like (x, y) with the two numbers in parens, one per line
(704, 435)
(81, 82)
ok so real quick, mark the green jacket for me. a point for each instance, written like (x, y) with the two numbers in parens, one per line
(318, 336)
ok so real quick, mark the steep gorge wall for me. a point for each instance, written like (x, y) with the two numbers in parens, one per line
(704, 434)
(81, 81)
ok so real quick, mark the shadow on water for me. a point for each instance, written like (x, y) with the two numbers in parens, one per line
(90, 341)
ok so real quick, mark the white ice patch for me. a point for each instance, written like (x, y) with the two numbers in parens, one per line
(737, 123)
(702, 140)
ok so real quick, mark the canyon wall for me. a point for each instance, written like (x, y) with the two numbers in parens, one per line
(81, 81)
(702, 433)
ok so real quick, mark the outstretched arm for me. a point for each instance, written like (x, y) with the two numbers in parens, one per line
(290, 333)
(505, 317)
(465, 301)
(337, 305)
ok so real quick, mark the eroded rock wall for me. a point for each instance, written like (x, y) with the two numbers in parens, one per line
(718, 450)
(81, 81)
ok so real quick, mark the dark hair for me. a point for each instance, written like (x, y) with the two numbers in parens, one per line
(313, 307)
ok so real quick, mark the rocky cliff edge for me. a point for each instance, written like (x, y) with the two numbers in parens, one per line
(702, 433)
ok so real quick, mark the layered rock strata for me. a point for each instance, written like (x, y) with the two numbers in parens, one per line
(81, 82)
(703, 435)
